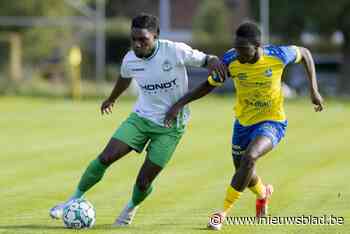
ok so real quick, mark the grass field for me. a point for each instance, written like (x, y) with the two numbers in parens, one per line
(46, 144)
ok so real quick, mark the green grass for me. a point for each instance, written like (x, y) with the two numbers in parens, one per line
(46, 144)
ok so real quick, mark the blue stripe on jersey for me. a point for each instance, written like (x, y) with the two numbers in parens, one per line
(229, 57)
(285, 53)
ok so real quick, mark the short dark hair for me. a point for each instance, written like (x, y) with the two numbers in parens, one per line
(249, 31)
(146, 21)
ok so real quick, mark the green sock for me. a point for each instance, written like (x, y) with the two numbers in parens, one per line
(77, 194)
(93, 174)
(138, 196)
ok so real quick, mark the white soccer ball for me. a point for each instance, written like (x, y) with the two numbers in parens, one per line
(79, 214)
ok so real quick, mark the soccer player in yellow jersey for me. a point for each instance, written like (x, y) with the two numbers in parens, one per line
(260, 118)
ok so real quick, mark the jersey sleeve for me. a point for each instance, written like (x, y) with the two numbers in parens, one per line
(188, 56)
(229, 57)
(291, 54)
(124, 70)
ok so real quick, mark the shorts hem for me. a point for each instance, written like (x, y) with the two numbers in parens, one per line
(274, 143)
(135, 148)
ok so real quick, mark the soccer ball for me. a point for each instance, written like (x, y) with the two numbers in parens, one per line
(79, 214)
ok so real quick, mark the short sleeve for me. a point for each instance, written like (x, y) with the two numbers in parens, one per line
(291, 54)
(188, 56)
(229, 57)
(124, 71)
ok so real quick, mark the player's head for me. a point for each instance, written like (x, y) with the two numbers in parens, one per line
(247, 41)
(144, 32)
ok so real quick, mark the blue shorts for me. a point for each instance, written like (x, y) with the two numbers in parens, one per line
(243, 135)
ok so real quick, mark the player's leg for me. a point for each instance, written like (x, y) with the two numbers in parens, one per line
(248, 144)
(262, 192)
(256, 149)
(255, 185)
(241, 178)
(114, 150)
(240, 141)
(126, 138)
(275, 131)
(159, 152)
(143, 186)
(142, 189)
(265, 136)
(255, 178)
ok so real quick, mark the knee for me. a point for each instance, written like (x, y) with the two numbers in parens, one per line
(248, 161)
(108, 156)
(143, 184)
(104, 159)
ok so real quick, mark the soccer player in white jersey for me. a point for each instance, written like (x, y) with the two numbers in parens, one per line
(159, 69)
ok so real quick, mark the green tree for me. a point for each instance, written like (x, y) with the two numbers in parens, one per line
(327, 18)
(39, 42)
(211, 21)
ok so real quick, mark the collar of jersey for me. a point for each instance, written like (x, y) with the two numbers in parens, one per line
(154, 53)
(260, 60)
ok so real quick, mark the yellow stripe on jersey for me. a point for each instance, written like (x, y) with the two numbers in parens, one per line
(298, 54)
(212, 82)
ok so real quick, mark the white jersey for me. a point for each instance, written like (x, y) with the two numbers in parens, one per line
(162, 78)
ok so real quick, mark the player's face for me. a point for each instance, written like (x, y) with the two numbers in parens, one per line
(142, 42)
(246, 54)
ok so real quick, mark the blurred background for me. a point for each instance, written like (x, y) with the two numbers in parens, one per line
(55, 52)
(73, 48)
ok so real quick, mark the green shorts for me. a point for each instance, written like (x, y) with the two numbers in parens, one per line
(137, 132)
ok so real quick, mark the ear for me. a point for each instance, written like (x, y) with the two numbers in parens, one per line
(257, 44)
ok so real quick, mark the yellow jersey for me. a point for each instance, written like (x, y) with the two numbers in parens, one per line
(259, 95)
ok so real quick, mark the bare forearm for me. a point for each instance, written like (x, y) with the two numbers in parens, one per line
(121, 85)
(213, 63)
(197, 93)
(309, 65)
(194, 94)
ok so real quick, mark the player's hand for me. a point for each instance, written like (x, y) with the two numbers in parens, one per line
(214, 64)
(106, 106)
(317, 100)
(171, 116)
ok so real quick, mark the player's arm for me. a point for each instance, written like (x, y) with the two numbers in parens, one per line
(202, 90)
(213, 63)
(308, 62)
(188, 56)
(120, 86)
